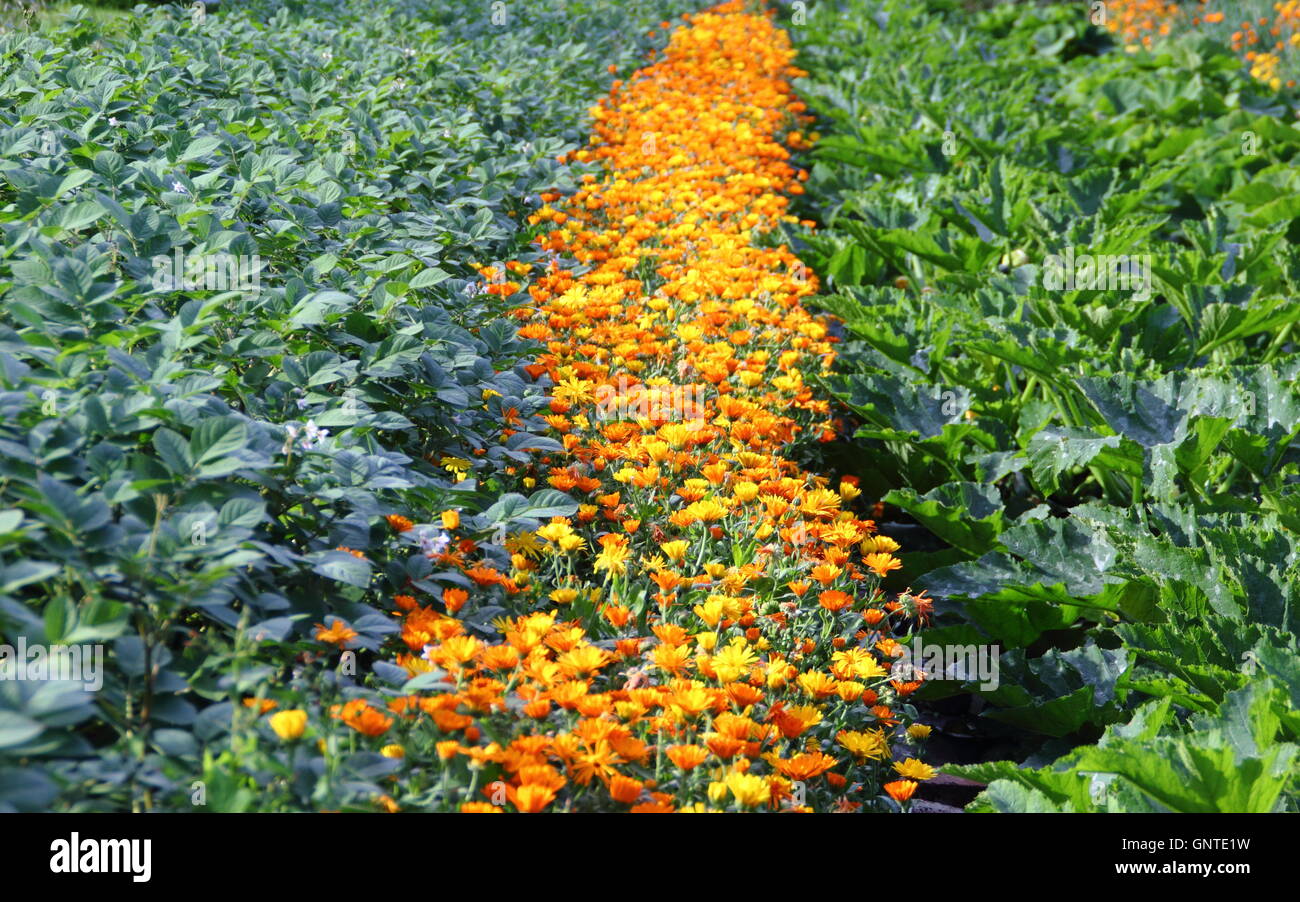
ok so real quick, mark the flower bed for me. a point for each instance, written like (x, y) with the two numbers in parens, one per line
(707, 629)
(1264, 33)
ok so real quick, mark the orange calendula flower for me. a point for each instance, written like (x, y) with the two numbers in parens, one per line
(834, 600)
(405, 603)
(530, 798)
(338, 633)
(454, 599)
(624, 789)
(618, 615)
(399, 523)
(480, 808)
(687, 757)
(806, 766)
(360, 716)
(901, 790)
(826, 573)
(881, 563)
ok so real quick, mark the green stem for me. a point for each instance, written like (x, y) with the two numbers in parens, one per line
(1277, 343)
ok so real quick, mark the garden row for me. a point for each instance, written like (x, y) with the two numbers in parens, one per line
(241, 321)
(707, 631)
(1067, 278)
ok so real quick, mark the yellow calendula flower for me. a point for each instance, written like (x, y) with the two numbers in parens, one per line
(613, 556)
(717, 792)
(734, 660)
(864, 745)
(883, 544)
(817, 684)
(711, 612)
(457, 466)
(819, 502)
(524, 543)
(866, 667)
(553, 531)
(675, 550)
(749, 790)
(289, 725)
(582, 661)
(913, 769)
(574, 391)
(708, 510)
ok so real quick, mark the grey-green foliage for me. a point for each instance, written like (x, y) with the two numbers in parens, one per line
(180, 465)
(1112, 467)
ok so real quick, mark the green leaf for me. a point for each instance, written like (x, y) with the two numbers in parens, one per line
(1015, 788)
(313, 308)
(542, 505)
(1056, 450)
(10, 520)
(1008, 797)
(343, 567)
(16, 729)
(201, 147)
(429, 277)
(214, 443)
(1197, 774)
(15, 576)
(964, 514)
(174, 451)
